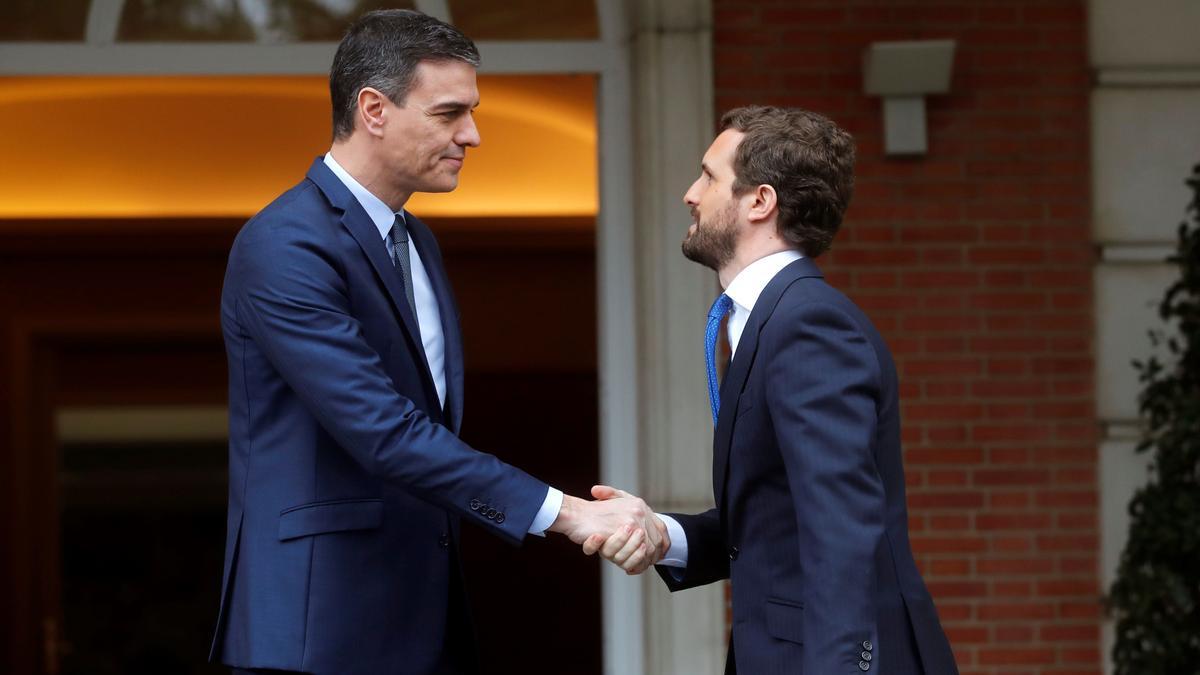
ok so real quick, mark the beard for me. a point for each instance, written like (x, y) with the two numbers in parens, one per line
(714, 241)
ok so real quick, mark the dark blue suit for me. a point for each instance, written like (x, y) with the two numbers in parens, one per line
(811, 526)
(347, 480)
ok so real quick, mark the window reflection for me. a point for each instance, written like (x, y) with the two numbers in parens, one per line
(243, 20)
(38, 20)
(526, 19)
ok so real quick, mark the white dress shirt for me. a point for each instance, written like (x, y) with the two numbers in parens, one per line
(744, 291)
(429, 316)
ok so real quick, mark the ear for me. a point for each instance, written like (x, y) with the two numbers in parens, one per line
(763, 204)
(372, 110)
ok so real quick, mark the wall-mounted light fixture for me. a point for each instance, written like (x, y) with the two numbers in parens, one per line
(903, 73)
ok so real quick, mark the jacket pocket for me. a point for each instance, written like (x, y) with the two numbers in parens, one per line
(324, 517)
(785, 620)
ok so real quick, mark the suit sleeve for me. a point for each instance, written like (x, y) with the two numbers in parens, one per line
(822, 386)
(707, 559)
(293, 302)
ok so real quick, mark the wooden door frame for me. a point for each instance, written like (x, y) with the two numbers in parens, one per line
(32, 583)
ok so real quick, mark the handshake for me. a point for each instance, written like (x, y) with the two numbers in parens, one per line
(617, 525)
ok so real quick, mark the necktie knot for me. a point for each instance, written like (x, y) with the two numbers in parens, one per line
(399, 231)
(719, 309)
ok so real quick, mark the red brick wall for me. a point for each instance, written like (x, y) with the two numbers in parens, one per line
(975, 261)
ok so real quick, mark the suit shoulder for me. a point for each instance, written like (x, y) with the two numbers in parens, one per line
(299, 224)
(300, 210)
(808, 298)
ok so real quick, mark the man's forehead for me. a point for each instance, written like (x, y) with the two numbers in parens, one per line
(723, 147)
(450, 80)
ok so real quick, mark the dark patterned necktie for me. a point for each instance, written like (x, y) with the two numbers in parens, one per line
(399, 238)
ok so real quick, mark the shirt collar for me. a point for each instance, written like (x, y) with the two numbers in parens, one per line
(750, 282)
(380, 213)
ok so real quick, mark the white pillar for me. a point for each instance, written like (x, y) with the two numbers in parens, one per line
(1145, 139)
(673, 121)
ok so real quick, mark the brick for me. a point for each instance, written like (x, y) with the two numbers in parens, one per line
(945, 389)
(1012, 589)
(1078, 499)
(1068, 587)
(947, 478)
(943, 367)
(1015, 566)
(1080, 610)
(1011, 544)
(959, 635)
(949, 568)
(1085, 632)
(960, 544)
(1026, 611)
(957, 589)
(1014, 656)
(1008, 633)
(1009, 499)
(1011, 301)
(1013, 521)
(1007, 255)
(1009, 433)
(1021, 389)
(1068, 542)
(942, 234)
(944, 456)
(944, 302)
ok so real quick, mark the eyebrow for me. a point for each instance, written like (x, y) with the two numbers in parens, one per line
(447, 106)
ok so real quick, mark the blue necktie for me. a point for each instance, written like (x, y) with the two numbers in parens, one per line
(719, 309)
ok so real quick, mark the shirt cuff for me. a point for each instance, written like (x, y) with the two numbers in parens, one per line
(548, 513)
(677, 555)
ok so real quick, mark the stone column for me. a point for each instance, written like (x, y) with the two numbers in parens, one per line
(1145, 139)
(673, 123)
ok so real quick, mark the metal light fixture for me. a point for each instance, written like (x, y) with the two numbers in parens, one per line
(903, 73)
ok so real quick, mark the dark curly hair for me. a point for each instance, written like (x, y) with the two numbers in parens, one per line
(809, 161)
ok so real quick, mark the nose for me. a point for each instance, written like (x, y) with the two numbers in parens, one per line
(692, 196)
(468, 133)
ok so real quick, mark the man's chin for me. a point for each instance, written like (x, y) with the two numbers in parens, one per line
(698, 255)
(443, 185)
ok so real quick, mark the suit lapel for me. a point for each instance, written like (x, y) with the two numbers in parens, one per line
(739, 369)
(427, 248)
(363, 229)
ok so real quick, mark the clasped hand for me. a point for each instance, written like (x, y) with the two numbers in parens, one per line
(617, 525)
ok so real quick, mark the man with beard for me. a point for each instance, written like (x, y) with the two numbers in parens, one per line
(810, 524)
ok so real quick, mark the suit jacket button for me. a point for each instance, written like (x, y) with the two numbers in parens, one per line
(444, 541)
(491, 514)
(499, 518)
(733, 552)
(864, 666)
(866, 656)
(867, 645)
(475, 504)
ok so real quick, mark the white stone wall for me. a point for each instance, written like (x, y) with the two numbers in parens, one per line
(1145, 139)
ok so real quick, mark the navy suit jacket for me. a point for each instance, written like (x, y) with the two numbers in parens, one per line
(347, 480)
(810, 524)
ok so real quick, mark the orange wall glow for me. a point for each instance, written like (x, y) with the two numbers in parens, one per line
(78, 147)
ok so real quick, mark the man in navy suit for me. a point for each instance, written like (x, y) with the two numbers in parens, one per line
(347, 481)
(810, 525)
